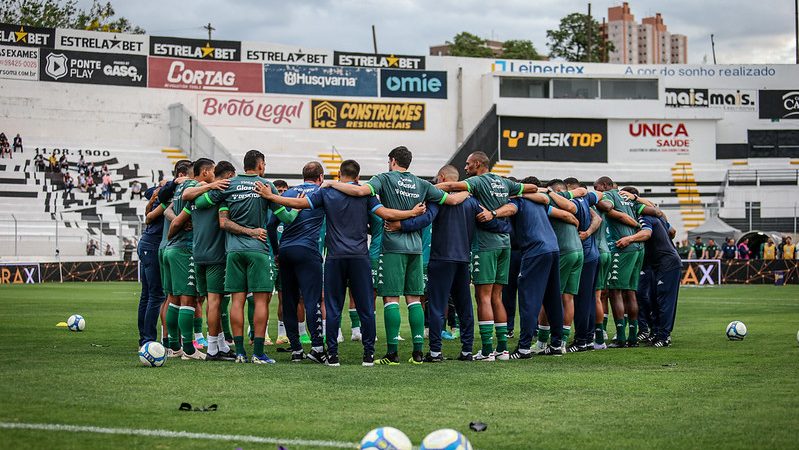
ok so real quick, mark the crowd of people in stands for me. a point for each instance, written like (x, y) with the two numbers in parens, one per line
(89, 177)
(730, 250)
(6, 146)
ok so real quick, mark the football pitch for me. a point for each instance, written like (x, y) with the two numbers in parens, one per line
(88, 390)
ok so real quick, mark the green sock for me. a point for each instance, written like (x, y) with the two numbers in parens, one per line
(172, 328)
(605, 323)
(186, 323)
(238, 341)
(543, 333)
(223, 312)
(198, 325)
(355, 318)
(620, 336)
(258, 346)
(502, 336)
(486, 337)
(633, 336)
(391, 316)
(416, 320)
(599, 336)
(567, 330)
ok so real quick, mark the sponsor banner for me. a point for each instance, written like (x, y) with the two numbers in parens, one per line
(95, 41)
(347, 115)
(379, 61)
(204, 75)
(86, 271)
(19, 35)
(195, 48)
(743, 100)
(94, 68)
(413, 83)
(22, 273)
(648, 140)
(253, 111)
(779, 104)
(701, 272)
(285, 54)
(309, 80)
(540, 139)
(18, 63)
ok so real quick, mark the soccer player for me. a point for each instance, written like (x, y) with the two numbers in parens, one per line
(769, 250)
(788, 249)
(728, 249)
(249, 262)
(347, 262)
(510, 291)
(491, 260)
(625, 263)
(282, 338)
(401, 270)
(601, 319)
(152, 294)
(450, 246)
(209, 253)
(712, 251)
(697, 250)
(539, 276)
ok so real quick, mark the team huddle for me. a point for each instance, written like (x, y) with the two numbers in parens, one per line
(558, 253)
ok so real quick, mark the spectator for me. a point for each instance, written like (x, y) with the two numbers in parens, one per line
(38, 162)
(108, 250)
(135, 190)
(69, 184)
(91, 169)
(90, 187)
(788, 249)
(105, 170)
(82, 182)
(728, 249)
(5, 149)
(53, 163)
(81, 164)
(683, 249)
(3, 137)
(107, 187)
(697, 250)
(18, 143)
(712, 251)
(63, 163)
(743, 249)
(128, 250)
(91, 247)
(769, 250)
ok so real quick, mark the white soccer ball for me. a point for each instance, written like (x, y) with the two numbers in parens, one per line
(797, 336)
(386, 438)
(152, 354)
(445, 439)
(736, 331)
(76, 322)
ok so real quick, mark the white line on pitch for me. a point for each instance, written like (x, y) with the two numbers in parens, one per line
(174, 434)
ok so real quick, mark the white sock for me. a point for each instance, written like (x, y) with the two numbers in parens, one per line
(302, 328)
(525, 351)
(281, 329)
(435, 353)
(356, 330)
(318, 349)
(222, 344)
(198, 336)
(213, 349)
(324, 328)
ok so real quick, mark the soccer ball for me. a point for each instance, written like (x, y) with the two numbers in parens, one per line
(76, 323)
(152, 354)
(797, 336)
(386, 438)
(736, 331)
(445, 439)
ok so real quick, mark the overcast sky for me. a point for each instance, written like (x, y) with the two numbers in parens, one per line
(746, 31)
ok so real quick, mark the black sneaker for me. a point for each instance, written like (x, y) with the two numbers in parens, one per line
(332, 360)
(633, 343)
(391, 359)
(221, 356)
(317, 357)
(416, 358)
(617, 344)
(510, 334)
(644, 337)
(368, 360)
(297, 356)
(660, 343)
(554, 351)
(465, 357)
(433, 359)
(516, 354)
(574, 348)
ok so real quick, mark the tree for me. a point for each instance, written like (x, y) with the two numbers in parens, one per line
(65, 14)
(519, 49)
(467, 44)
(570, 40)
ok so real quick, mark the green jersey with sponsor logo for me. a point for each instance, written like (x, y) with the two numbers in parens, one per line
(617, 230)
(601, 233)
(402, 191)
(209, 239)
(246, 208)
(567, 234)
(183, 238)
(492, 191)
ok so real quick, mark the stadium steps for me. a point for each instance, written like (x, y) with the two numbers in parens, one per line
(332, 162)
(502, 169)
(686, 188)
(173, 154)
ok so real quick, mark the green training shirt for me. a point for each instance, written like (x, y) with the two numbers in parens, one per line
(402, 191)
(602, 233)
(492, 191)
(209, 239)
(618, 230)
(567, 234)
(183, 238)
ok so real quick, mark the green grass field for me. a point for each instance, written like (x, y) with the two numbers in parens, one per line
(704, 392)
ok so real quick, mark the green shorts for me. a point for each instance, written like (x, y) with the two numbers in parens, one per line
(375, 263)
(625, 270)
(165, 285)
(400, 274)
(602, 275)
(571, 266)
(210, 278)
(249, 272)
(491, 266)
(180, 271)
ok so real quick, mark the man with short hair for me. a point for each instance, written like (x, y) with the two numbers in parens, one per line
(712, 251)
(697, 250)
(769, 250)
(491, 259)
(401, 270)
(248, 267)
(729, 249)
(788, 249)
